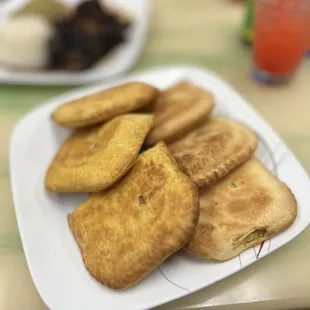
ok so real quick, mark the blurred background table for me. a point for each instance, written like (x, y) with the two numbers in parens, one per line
(204, 33)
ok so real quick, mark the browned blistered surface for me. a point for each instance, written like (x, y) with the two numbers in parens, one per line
(92, 159)
(179, 110)
(126, 231)
(241, 210)
(103, 105)
(211, 151)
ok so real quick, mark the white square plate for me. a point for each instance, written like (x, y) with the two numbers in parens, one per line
(52, 254)
(119, 61)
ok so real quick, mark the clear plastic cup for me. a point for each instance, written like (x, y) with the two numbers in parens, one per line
(281, 38)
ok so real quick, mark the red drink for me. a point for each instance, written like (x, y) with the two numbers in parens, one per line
(282, 37)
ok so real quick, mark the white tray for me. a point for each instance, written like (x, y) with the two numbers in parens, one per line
(52, 254)
(119, 61)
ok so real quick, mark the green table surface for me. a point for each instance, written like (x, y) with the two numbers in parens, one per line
(204, 33)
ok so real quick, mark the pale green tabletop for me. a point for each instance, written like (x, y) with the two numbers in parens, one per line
(205, 33)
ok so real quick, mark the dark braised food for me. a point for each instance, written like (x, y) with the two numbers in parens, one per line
(89, 34)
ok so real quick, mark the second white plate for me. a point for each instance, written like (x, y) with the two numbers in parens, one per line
(119, 61)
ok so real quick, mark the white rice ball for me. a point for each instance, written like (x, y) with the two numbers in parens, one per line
(24, 42)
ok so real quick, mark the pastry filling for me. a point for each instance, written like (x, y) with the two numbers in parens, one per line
(253, 235)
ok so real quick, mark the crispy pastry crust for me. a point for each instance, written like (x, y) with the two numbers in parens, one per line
(242, 210)
(104, 105)
(92, 159)
(210, 152)
(128, 230)
(178, 110)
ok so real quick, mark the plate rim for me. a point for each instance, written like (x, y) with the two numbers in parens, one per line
(104, 84)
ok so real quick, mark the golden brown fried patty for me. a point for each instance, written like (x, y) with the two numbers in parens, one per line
(246, 207)
(104, 105)
(92, 159)
(127, 230)
(210, 152)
